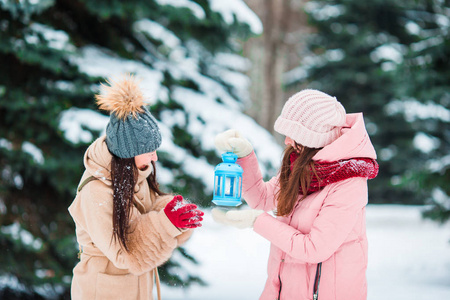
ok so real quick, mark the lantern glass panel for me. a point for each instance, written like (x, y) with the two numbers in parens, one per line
(239, 189)
(230, 183)
(218, 185)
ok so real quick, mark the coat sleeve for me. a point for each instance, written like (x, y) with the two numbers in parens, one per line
(152, 236)
(257, 193)
(161, 202)
(340, 211)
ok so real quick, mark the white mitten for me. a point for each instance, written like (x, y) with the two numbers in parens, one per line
(237, 218)
(232, 141)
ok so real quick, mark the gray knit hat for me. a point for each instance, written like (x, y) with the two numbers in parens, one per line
(131, 130)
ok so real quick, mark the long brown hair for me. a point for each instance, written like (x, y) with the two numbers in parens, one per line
(291, 182)
(124, 175)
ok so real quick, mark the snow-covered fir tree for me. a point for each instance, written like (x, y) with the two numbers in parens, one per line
(423, 100)
(389, 60)
(53, 55)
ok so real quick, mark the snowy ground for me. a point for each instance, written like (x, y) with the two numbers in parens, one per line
(409, 259)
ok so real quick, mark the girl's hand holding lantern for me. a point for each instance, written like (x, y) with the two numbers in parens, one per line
(232, 141)
(237, 218)
(183, 215)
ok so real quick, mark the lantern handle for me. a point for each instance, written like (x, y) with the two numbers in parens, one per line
(229, 157)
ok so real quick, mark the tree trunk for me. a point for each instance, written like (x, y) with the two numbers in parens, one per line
(270, 61)
(272, 54)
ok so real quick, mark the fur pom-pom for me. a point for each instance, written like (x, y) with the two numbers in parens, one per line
(122, 97)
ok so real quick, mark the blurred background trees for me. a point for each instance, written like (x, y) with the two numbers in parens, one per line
(388, 59)
(53, 55)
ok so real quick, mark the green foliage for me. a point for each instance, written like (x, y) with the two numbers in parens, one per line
(363, 53)
(39, 81)
(170, 272)
(425, 76)
(436, 184)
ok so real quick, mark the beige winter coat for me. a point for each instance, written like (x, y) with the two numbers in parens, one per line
(105, 270)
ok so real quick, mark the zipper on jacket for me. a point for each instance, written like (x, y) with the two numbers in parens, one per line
(317, 281)
(283, 256)
(279, 291)
(279, 274)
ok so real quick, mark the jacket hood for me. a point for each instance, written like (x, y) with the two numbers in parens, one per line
(354, 142)
(97, 161)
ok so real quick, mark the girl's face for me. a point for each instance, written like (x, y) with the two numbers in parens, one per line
(290, 142)
(142, 161)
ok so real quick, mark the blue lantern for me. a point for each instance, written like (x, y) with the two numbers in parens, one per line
(228, 181)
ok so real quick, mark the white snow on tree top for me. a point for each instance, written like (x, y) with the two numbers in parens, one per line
(230, 9)
(425, 142)
(56, 39)
(413, 110)
(74, 120)
(196, 9)
(321, 11)
(215, 105)
(158, 32)
(34, 151)
(98, 62)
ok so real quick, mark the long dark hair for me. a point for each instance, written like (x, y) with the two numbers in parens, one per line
(124, 175)
(299, 179)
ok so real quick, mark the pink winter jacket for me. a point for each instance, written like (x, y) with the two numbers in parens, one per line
(328, 226)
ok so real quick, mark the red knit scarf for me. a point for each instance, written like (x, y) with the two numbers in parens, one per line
(334, 171)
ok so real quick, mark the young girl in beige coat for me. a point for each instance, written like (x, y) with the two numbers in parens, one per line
(125, 226)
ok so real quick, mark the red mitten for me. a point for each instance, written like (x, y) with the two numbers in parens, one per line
(182, 214)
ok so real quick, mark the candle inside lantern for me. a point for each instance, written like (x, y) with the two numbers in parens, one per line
(229, 186)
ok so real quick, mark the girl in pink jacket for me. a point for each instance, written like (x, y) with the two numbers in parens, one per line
(318, 237)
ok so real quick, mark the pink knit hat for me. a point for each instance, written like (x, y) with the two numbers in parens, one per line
(311, 118)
